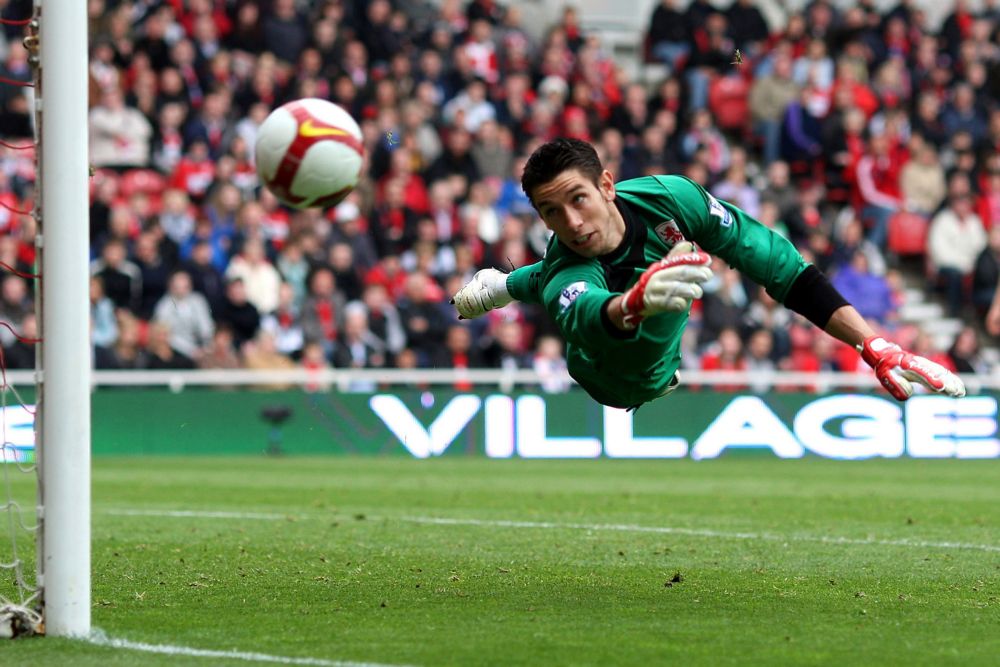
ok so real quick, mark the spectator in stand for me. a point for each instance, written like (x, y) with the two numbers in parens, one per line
(962, 115)
(340, 259)
(669, 35)
(103, 325)
(955, 239)
(160, 354)
(422, 315)
(20, 352)
(211, 125)
(258, 275)
(154, 270)
(964, 352)
(877, 177)
(393, 224)
(119, 135)
(285, 31)
(870, 293)
(766, 313)
(927, 120)
(357, 346)
(314, 361)
(849, 238)
(323, 310)
(384, 320)
(15, 305)
(748, 27)
(550, 365)
(632, 115)
(735, 188)
(458, 352)
(470, 108)
(504, 348)
(801, 133)
(759, 358)
(986, 273)
(285, 323)
(492, 150)
(349, 229)
(205, 278)
(711, 56)
(122, 278)
(238, 314)
(988, 203)
(168, 141)
(455, 163)
(922, 182)
(126, 351)
(220, 353)
(176, 216)
(194, 171)
(724, 304)
(704, 142)
(814, 67)
(261, 354)
(186, 314)
(770, 96)
(725, 353)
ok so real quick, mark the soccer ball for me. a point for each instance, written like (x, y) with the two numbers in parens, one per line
(309, 153)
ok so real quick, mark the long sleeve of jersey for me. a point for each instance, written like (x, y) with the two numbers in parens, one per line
(524, 283)
(580, 284)
(719, 228)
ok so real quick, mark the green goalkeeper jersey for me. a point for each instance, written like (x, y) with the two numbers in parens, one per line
(628, 368)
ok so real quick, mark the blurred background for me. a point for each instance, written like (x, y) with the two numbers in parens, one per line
(867, 133)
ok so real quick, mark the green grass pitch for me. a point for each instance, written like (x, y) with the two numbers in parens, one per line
(465, 561)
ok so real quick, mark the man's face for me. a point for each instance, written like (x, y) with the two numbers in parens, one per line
(581, 214)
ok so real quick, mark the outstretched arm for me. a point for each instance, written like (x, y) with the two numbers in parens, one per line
(895, 368)
(492, 288)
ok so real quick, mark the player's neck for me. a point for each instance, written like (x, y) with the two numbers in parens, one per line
(616, 232)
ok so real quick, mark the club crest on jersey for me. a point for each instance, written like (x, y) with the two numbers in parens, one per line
(669, 233)
(720, 212)
(569, 295)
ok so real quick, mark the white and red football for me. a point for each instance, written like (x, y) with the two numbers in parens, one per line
(309, 153)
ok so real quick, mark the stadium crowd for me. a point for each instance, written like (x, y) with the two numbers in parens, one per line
(870, 140)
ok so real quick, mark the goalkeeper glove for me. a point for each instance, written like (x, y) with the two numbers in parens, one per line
(667, 286)
(897, 370)
(487, 290)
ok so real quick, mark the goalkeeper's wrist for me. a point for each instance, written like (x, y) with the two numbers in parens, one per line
(618, 316)
(873, 348)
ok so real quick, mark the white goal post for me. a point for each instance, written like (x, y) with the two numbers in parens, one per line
(63, 425)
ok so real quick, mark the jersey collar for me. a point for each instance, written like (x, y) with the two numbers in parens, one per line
(633, 233)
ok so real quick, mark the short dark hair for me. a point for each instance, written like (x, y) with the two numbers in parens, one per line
(559, 155)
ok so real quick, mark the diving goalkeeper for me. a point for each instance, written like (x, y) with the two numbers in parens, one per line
(622, 269)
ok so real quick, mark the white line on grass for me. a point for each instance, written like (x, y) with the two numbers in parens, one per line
(98, 638)
(611, 527)
(698, 532)
(198, 514)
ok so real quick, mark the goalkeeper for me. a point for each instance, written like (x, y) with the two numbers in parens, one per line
(622, 268)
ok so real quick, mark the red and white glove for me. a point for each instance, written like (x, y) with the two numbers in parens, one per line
(897, 370)
(487, 290)
(667, 286)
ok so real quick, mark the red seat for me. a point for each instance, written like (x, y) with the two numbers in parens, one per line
(146, 181)
(729, 102)
(907, 233)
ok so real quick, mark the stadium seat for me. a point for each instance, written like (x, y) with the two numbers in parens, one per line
(146, 181)
(729, 102)
(907, 234)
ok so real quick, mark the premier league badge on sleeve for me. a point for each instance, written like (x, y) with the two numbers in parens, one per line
(569, 295)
